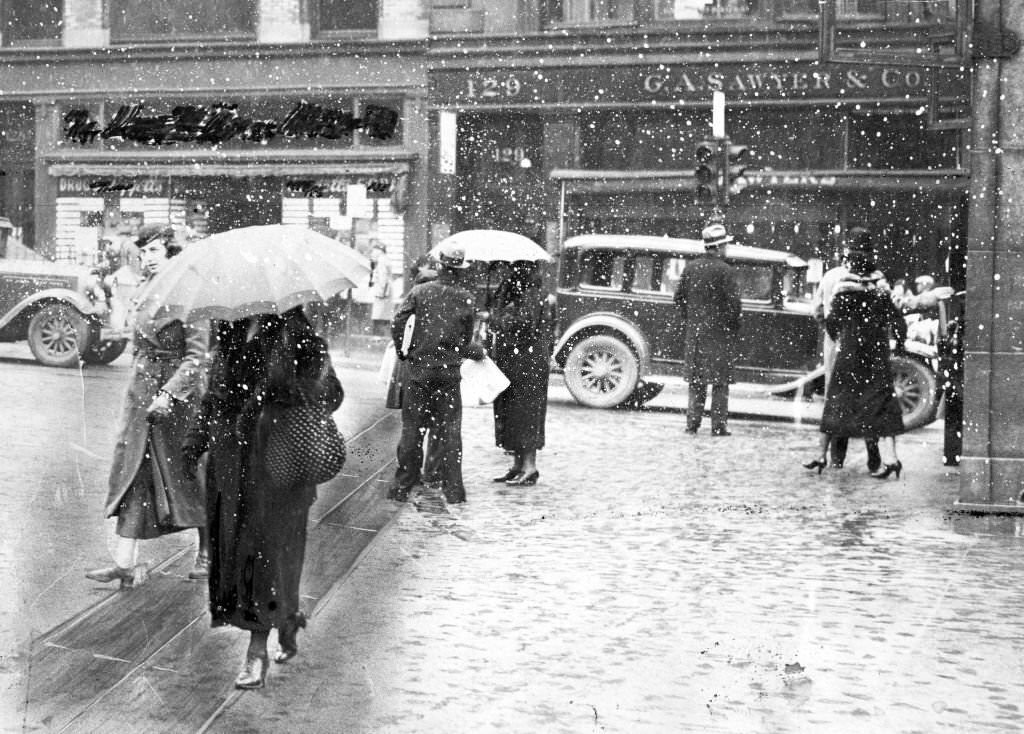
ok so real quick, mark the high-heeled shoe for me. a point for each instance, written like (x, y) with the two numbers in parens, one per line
(511, 473)
(286, 637)
(818, 464)
(254, 672)
(888, 469)
(128, 577)
(521, 479)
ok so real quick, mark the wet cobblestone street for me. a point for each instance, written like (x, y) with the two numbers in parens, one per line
(653, 582)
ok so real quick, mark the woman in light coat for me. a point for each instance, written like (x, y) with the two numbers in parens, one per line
(149, 493)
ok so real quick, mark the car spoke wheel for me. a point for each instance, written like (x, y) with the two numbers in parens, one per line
(601, 371)
(914, 385)
(57, 335)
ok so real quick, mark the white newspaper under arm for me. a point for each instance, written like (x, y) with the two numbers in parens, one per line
(482, 382)
(410, 327)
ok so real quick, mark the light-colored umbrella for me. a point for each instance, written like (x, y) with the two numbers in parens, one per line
(252, 270)
(493, 245)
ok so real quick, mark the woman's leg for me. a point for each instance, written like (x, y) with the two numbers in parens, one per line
(126, 552)
(887, 447)
(254, 672)
(527, 461)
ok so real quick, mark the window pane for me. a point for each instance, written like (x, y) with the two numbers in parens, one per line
(755, 282)
(845, 8)
(30, 20)
(175, 18)
(896, 141)
(603, 270)
(594, 12)
(348, 15)
(703, 9)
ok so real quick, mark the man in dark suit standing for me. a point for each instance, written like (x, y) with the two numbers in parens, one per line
(442, 337)
(709, 305)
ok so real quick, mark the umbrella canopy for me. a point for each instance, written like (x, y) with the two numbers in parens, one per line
(493, 245)
(252, 270)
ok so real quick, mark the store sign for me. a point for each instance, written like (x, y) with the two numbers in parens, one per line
(100, 185)
(669, 83)
(214, 124)
(379, 186)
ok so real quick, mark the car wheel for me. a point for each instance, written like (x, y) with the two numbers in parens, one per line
(601, 371)
(57, 335)
(104, 352)
(914, 385)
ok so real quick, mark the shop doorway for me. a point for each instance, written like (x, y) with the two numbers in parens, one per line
(229, 203)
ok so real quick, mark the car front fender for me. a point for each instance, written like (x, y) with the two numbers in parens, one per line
(39, 299)
(604, 323)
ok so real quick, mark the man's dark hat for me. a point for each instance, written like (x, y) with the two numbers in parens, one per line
(453, 257)
(859, 242)
(150, 232)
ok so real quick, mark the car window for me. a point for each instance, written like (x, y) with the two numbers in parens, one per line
(671, 273)
(603, 269)
(755, 281)
(657, 273)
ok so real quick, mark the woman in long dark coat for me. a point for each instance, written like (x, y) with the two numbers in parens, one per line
(861, 401)
(149, 493)
(258, 528)
(521, 321)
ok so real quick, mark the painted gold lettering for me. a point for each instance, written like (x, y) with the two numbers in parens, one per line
(800, 81)
(654, 83)
(822, 81)
(855, 79)
(890, 78)
(716, 82)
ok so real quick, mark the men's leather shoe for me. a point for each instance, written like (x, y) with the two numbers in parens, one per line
(201, 569)
(720, 432)
(692, 431)
(399, 494)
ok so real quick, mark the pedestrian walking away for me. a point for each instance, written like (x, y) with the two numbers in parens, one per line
(149, 493)
(821, 302)
(709, 307)
(861, 401)
(441, 339)
(522, 321)
(258, 525)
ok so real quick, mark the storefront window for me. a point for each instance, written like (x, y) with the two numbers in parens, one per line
(140, 20)
(347, 16)
(901, 141)
(31, 22)
(929, 11)
(590, 12)
(703, 9)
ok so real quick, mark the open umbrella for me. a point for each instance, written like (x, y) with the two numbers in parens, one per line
(252, 270)
(493, 245)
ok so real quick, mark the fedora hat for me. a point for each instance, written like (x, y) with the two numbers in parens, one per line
(150, 232)
(714, 235)
(453, 257)
(858, 241)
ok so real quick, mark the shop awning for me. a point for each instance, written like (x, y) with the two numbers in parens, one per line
(580, 181)
(234, 168)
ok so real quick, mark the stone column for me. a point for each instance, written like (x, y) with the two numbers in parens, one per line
(992, 467)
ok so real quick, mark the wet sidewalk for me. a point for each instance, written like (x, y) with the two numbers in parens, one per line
(656, 583)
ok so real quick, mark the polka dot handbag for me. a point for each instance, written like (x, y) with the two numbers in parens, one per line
(303, 444)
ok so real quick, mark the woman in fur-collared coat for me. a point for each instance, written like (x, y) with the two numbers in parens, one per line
(149, 493)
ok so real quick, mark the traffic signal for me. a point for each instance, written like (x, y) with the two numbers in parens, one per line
(707, 171)
(735, 167)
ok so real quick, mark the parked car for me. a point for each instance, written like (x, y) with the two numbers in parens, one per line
(619, 329)
(61, 309)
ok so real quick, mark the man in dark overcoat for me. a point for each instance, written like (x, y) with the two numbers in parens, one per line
(709, 305)
(442, 337)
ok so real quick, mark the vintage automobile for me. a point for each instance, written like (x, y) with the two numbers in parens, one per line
(619, 330)
(61, 309)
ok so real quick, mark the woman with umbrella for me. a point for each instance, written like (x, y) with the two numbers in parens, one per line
(258, 525)
(149, 493)
(522, 324)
